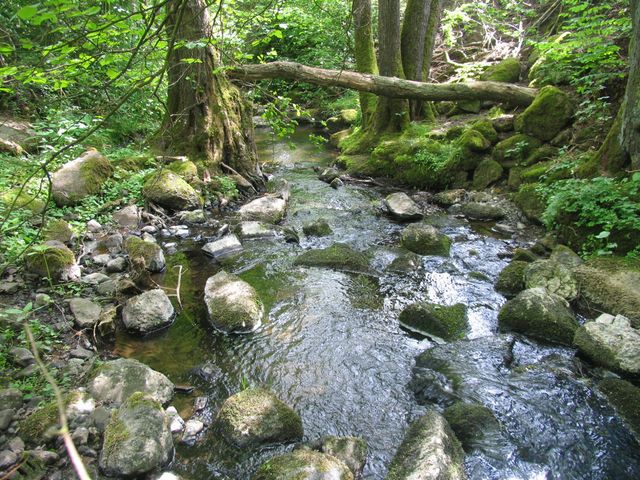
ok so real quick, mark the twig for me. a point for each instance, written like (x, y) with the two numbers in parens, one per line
(178, 286)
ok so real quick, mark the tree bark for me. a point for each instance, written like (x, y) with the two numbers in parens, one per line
(365, 55)
(207, 120)
(387, 86)
(413, 44)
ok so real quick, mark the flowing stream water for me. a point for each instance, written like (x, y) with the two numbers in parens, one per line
(333, 350)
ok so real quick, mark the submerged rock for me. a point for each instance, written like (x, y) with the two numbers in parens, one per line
(610, 342)
(625, 397)
(256, 417)
(225, 247)
(267, 209)
(352, 451)
(148, 312)
(401, 207)
(429, 451)
(511, 279)
(149, 253)
(318, 228)
(539, 314)
(471, 422)
(233, 305)
(425, 240)
(137, 439)
(338, 256)
(553, 276)
(115, 381)
(170, 191)
(442, 321)
(80, 178)
(303, 465)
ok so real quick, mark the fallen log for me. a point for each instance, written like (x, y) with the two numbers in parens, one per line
(387, 86)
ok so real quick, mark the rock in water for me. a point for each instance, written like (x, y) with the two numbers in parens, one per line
(553, 276)
(317, 228)
(232, 304)
(338, 256)
(149, 252)
(539, 314)
(511, 279)
(80, 178)
(610, 342)
(425, 239)
(430, 319)
(255, 230)
(256, 417)
(429, 451)
(401, 207)
(137, 439)
(148, 312)
(352, 451)
(114, 381)
(226, 247)
(304, 465)
(482, 211)
(264, 209)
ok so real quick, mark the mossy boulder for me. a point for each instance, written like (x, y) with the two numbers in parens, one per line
(553, 276)
(511, 279)
(486, 128)
(232, 304)
(338, 256)
(425, 239)
(542, 154)
(170, 191)
(531, 202)
(317, 228)
(506, 71)
(625, 397)
(448, 322)
(80, 178)
(549, 113)
(429, 451)
(466, 106)
(23, 200)
(524, 255)
(515, 150)
(534, 173)
(32, 428)
(352, 451)
(52, 259)
(539, 314)
(304, 464)
(186, 169)
(482, 211)
(58, 230)
(137, 439)
(472, 144)
(147, 254)
(471, 422)
(256, 417)
(486, 173)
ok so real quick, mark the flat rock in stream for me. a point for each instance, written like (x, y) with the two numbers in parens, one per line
(233, 305)
(304, 464)
(448, 322)
(225, 247)
(148, 312)
(338, 256)
(401, 207)
(253, 230)
(425, 239)
(267, 209)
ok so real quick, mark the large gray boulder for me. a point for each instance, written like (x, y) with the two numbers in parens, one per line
(429, 451)
(539, 314)
(232, 304)
(267, 209)
(610, 342)
(425, 239)
(401, 207)
(553, 276)
(137, 439)
(304, 465)
(115, 381)
(80, 178)
(148, 312)
(256, 417)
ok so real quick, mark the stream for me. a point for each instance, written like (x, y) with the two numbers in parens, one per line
(333, 350)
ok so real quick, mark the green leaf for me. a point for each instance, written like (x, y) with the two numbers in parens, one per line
(603, 234)
(27, 12)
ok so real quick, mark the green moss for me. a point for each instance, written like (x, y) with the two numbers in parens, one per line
(550, 112)
(138, 399)
(303, 464)
(425, 240)
(472, 141)
(138, 248)
(94, 171)
(486, 173)
(515, 150)
(511, 279)
(22, 200)
(115, 433)
(531, 202)
(486, 128)
(169, 190)
(545, 152)
(478, 275)
(446, 322)
(625, 397)
(134, 163)
(58, 230)
(507, 71)
(185, 169)
(535, 172)
(524, 255)
(364, 293)
(338, 256)
(318, 228)
(33, 427)
(49, 260)
(471, 422)
(467, 106)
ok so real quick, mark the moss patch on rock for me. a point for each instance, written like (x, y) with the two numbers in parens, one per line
(506, 71)
(80, 178)
(511, 279)
(317, 228)
(486, 173)
(22, 200)
(185, 169)
(515, 150)
(338, 256)
(33, 427)
(58, 230)
(548, 114)
(471, 422)
(304, 464)
(425, 239)
(486, 128)
(50, 259)
(531, 202)
(442, 321)
(170, 191)
(625, 397)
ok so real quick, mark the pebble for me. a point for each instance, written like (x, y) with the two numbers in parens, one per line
(44, 456)
(22, 356)
(80, 436)
(82, 353)
(95, 278)
(93, 226)
(16, 445)
(147, 237)
(149, 229)
(101, 259)
(7, 458)
(6, 417)
(116, 265)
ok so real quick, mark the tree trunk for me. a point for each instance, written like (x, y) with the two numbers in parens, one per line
(207, 120)
(387, 86)
(413, 43)
(364, 54)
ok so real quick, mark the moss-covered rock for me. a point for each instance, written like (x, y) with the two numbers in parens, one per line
(531, 202)
(565, 256)
(23, 200)
(539, 314)
(482, 211)
(534, 173)
(625, 397)
(524, 255)
(448, 322)
(52, 259)
(33, 427)
(486, 173)
(58, 230)
(352, 451)
(170, 191)
(80, 178)
(336, 138)
(338, 256)
(542, 154)
(185, 169)
(425, 239)
(430, 451)
(511, 279)
(486, 128)
(134, 163)
(506, 71)
(550, 112)
(471, 422)
(304, 464)
(450, 197)
(256, 417)
(144, 253)
(467, 106)
(553, 276)
(473, 141)
(515, 150)
(317, 228)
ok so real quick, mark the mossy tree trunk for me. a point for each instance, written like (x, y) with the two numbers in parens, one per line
(413, 43)
(208, 119)
(365, 54)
